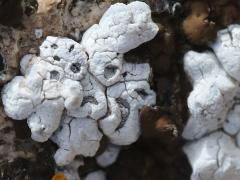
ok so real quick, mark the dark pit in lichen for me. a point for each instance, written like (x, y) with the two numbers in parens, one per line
(75, 67)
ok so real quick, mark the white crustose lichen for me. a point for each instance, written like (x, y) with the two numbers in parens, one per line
(214, 123)
(76, 93)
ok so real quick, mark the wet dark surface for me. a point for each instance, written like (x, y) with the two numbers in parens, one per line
(11, 12)
(2, 63)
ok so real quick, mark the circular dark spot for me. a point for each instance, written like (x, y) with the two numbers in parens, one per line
(75, 67)
(31, 7)
(29, 10)
(89, 99)
(54, 46)
(141, 92)
(124, 74)
(56, 58)
(110, 71)
(54, 75)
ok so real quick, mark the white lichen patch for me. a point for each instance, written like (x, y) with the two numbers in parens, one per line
(96, 175)
(214, 123)
(121, 29)
(76, 93)
(212, 95)
(109, 156)
(124, 101)
(214, 157)
(76, 136)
